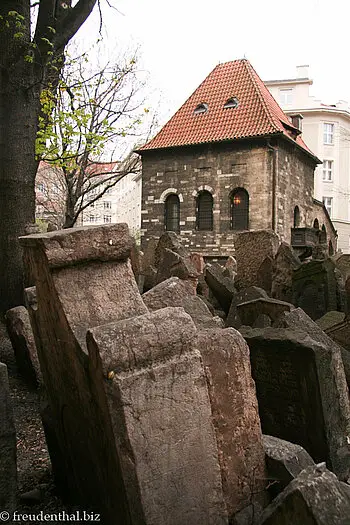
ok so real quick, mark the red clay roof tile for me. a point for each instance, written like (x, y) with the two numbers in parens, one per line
(257, 113)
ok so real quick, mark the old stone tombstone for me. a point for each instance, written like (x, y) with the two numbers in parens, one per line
(177, 292)
(245, 295)
(302, 393)
(22, 340)
(141, 394)
(251, 249)
(83, 279)
(284, 264)
(264, 275)
(299, 320)
(234, 405)
(315, 497)
(250, 311)
(222, 288)
(8, 465)
(161, 418)
(315, 288)
(284, 461)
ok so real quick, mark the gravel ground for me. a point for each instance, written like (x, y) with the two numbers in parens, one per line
(33, 462)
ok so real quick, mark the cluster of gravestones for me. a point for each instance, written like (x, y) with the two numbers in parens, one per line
(177, 392)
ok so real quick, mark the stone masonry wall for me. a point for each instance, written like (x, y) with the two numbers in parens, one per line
(220, 168)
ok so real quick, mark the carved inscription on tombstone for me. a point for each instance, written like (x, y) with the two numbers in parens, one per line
(290, 404)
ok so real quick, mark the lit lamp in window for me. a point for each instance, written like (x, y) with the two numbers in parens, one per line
(236, 200)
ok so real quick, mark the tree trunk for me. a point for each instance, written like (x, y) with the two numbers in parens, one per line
(18, 123)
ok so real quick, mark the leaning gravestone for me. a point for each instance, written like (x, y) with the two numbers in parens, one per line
(115, 457)
(302, 393)
(161, 417)
(251, 249)
(8, 468)
(315, 497)
(83, 279)
(23, 344)
(177, 292)
(315, 288)
(234, 406)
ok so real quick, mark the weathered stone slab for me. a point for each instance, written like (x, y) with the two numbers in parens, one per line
(264, 275)
(172, 264)
(23, 344)
(284, 461)
(315, 497)
(148, 267)
(249, 311)
(68, 247)
(299, 320)
(342, 262)
(330, 319)
(302, 393)
(251, 249)
(284, 265)
(234, 405)
(70, 299)
(161, 417)
(340, 333)
(315, 288)
(8, 465)
(170, 241)
(222, 287)
(245, 295)
(176, 292)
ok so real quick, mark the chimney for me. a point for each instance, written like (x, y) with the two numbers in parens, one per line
(303, 71)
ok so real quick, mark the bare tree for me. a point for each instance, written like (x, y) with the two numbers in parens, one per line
(31, 47)
(92, 115)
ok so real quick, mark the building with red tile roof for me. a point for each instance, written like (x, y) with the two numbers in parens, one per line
(229, 159)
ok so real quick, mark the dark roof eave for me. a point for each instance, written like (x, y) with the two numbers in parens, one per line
(248, 137)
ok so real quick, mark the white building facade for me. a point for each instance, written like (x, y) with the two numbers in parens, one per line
(121, 203)
(326, 131)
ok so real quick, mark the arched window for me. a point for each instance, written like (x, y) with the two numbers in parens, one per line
(323, 235)
(204, 211)
(316, 224)
(296, 220)
(172, 213)
(239, 209)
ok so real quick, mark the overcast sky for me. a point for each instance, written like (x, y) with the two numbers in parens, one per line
(182, 41)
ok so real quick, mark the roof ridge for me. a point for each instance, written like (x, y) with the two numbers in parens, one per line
(254, 78)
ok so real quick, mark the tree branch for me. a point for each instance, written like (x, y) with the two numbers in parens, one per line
(69, 24)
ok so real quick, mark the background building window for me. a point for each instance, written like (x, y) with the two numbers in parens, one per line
(107, 218)
(172, 213)
(328, 203)
(328, 133)
(204, 211)
(327, 174)
(41, 187)
(239, 204)
(286, 97)
(107, 205)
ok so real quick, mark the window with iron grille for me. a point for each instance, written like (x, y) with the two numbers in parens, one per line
(172, 213)
(239, 209)
(204, 211)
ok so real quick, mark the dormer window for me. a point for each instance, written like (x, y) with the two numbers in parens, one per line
(231, 103)
(201, 108)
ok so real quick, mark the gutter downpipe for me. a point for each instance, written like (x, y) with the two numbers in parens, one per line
(274, 151)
